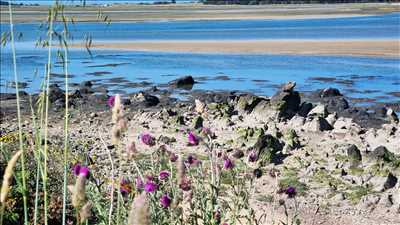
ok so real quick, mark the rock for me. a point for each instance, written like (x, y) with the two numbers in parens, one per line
(286, 101)
(147, 99)
(331, 119)
(387, 200)
(197, 122)
(317, 124)
(289, 86)
(88, 84)
(381, 153)
(56, 93)
(297, 121)
(329, 92)
(304, 109)
(335, 104)
(354, 155)
(267, 147)
(390, 182)
(368, 201)
(264, 111)
(186, 82)
(392, 115)
(246, 103)
(319, 110)
(292, 139)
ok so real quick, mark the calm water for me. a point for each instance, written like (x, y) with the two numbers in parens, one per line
(360, 77)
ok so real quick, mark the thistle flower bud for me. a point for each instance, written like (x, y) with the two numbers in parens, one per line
(8, 174)
(139, 214)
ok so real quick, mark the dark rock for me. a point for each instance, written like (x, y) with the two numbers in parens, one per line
(354, 155)
(329, 92)
(305, 108)
(267, 147)
(88, 84)
(56, 93)
(335, 104)
(149, 100)
(381, 153)
(186, 82)
(390, 181)
(198, 122)
(246, 103)
(286, 101)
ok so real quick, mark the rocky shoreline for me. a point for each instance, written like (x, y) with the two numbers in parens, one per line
(343, 160)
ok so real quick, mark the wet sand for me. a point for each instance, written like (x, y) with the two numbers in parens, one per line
(376, 48)
(132, 12)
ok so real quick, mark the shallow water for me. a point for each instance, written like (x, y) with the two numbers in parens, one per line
(358, 77)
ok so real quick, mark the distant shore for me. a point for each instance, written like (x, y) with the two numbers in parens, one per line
(179, 12)
(352, 47)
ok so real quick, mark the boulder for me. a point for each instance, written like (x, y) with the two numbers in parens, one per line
(304, 109)
(186, 82)
(390, 182)
(354, 155)
(246, 103)
(147, 99)
(381, 153)
(56, 93)
(329, 92)
(317, 124)
(267, 147)
(286, 101)
(319, 110)
(392, 115)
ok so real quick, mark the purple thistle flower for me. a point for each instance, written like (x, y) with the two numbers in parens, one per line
(253, 156)
(76, 168)
(193, 140)
(147, 139)
(163, 175)
(165, 201)
(139, 183)
(111, 101)
(150, 186)
(228, 164)
(291, 192)
(84, 171)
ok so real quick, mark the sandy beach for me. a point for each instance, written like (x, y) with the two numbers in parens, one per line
(173, 12)
(378, 48)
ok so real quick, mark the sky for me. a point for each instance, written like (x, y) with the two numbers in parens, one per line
(48, 2)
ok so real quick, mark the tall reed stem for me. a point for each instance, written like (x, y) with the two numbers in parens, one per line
(46, 121)
(21, 144)
(65, 130)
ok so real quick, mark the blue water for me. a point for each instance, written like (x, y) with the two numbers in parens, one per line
(358, 77)
(369, 27)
